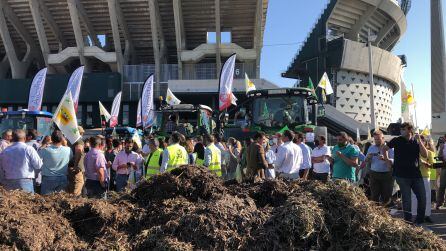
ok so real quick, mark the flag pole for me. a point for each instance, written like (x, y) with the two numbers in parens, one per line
(414, 107)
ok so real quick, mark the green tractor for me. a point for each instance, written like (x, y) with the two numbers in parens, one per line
(274, 110)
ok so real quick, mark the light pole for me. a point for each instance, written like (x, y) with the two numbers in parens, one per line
(371, 39)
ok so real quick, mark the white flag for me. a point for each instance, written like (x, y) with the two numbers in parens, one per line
(233, 99)
(325, 84)
(65, 119)
(104, 112)
(74, 85)
(225, 83)
(249, 85)
(115, 110)
(136, 139)
(138, 114)
(36, 91)
(147, 105)
(171, 99)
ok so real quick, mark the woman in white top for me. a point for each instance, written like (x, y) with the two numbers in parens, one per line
(270, 157)
(319, 158)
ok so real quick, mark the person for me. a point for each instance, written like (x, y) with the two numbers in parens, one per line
(234, 152)
(145, 151)
(18, 164)
(345, 159)
(256, 160)
(6, 140)
(425, 167)
(154, 159)
(381, 180)
(270, 156)
(288, 157)
(319, 156)
(31, 139)
(124, 162)
(406, 170)
(171, 125)
(306, 155)
(212, 155)
(95, 169)
(244, 154)
(277, 142)
(76, 169)
(190, 151)
(110, 156)
(174, 155)
(199, 151)
(55, 160)
(46, 141)
(221, 145)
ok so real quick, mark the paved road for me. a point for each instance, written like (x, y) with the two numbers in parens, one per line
(439, 225)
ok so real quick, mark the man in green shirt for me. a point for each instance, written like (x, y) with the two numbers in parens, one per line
(344, 159)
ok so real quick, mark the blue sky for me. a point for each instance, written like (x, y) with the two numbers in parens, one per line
(288, 24)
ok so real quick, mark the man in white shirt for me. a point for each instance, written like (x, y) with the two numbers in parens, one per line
(299, 140)
(319, 157)
(289, 157)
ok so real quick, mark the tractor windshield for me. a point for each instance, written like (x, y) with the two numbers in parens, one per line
(279, 111)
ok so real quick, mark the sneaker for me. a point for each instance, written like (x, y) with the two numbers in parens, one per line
(428, 220)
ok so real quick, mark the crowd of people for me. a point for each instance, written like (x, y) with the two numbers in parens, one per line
(95, 165)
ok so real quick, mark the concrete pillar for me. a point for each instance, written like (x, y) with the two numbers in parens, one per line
(218, 37)
(438, 61)
(116, 37)
(18, 68)
(41, 34)
(179, 34)
(258, 39)
(74, 15)
(155, 44)
(4, 67)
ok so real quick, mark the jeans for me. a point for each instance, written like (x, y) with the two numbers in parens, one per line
(121, 182)
(26, 185)
(53, 184)
(417, 186)
(427, 187)
(381, 187)
(441, 190)
(94, 189)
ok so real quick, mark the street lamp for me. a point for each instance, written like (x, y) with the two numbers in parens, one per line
(370, 39)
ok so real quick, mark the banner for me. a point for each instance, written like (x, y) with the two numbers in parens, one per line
(74, 85)
(225, 83)
(65, 119)
(103, 112)
(249, 85)
(36, 91)
(171, 99)
(115, 110)
(138, 114)
(147, 105)
(325, 84)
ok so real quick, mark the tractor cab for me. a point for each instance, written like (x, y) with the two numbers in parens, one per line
(41, 121)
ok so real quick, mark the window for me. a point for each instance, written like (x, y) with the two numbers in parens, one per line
(226, 37)
(101, 39)
(125, 114)
(79, 114)
(89, 115)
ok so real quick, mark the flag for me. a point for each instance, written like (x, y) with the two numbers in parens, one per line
(147, 105)
(115, 110)
(65, 119)
(136, 139)
(426, 132)
(311, 87)
(138, 114)
(233, 99)
(249, 84)
(171, 99)
(283, 129)
(103, 112)
(358, 136)
(324, 84)
(410, 98)
(74, 85)
(225, 96)
(36, 91)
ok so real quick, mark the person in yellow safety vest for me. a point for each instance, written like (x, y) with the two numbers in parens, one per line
(212, 155)
(174, 155)
(199, 151)
(154, 160)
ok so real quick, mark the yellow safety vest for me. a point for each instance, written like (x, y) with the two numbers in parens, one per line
(152, 163)
(199, 162)
(177, 157)
(215, 163)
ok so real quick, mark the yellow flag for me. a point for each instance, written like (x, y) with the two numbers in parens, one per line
(249, 85)
(65, 119)
(426, 132)
(171, 99)
(410, 98)
(325, 84)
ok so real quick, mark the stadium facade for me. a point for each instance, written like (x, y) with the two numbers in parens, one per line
(337, 45)
(183, 42)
